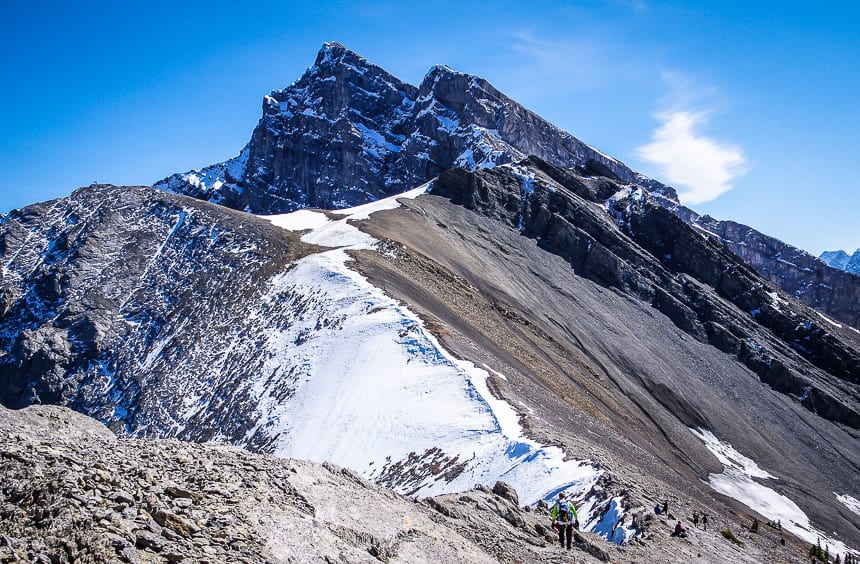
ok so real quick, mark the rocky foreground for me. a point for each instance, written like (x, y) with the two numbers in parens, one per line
(73, 492)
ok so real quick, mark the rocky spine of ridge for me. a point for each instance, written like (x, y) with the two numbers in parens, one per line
(70, 491)
(348, 132)
(703, 289)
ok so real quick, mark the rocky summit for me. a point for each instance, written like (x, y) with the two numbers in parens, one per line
(348, 132)
(505, 307)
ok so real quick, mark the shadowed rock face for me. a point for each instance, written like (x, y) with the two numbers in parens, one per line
(705, 290)
(116, 289)
(348, 132)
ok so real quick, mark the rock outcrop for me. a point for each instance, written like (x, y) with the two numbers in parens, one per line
(348, 132)
(72, 492)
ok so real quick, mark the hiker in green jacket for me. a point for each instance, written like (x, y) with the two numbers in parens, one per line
(564, 519)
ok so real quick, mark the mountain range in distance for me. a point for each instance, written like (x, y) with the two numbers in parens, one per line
(842, 260)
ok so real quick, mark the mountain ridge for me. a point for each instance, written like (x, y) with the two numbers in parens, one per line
(133, 387)
(348, 132)
(556, 326)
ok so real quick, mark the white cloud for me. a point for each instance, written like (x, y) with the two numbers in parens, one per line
(700, 168)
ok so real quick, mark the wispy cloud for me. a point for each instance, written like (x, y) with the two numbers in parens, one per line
(701, 168)
(539, 64)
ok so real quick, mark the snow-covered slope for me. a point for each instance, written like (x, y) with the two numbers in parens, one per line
(218, 330)
(737, 481)
(377, 393)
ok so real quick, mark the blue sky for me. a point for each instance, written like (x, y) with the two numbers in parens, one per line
(749, 108)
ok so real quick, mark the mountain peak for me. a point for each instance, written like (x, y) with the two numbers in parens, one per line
(334, 54)
(842, 260)
(333, 45)
(441, 73)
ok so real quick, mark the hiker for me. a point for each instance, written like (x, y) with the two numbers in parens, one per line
(696, 519)
(666, 507)
(658, 509)
(564, 519)
(705, 521)
(680, 531)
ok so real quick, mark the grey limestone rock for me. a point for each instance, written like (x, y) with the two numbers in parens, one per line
(348, 132)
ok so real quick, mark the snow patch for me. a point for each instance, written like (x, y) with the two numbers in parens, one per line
(828, 320)
(299, 220)
(736, 481)
(369, 388)
(850, 502)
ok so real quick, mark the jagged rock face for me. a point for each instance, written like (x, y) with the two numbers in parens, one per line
(831, 290)
(115, 288)
(347, 132)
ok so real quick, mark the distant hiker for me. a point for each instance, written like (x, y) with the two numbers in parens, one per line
(666, 507)
(696, 519)
(680, 531)
(564, 519)
(705, 521)
(658, 509)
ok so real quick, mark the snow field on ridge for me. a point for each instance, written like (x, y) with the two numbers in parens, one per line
(376, 386)
(736, 481)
